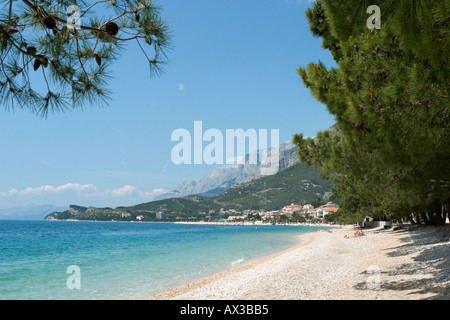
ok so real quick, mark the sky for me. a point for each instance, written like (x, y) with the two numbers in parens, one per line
(233, 65)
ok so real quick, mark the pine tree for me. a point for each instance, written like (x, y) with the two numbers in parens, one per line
(388, 152)
(56, 54)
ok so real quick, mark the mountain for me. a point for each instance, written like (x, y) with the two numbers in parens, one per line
(298, 184)
(222, 179)
(30, 212)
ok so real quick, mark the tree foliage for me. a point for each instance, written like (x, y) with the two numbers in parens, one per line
(51, 61)
(388, 152)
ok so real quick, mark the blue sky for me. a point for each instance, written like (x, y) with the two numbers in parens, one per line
(233, 65)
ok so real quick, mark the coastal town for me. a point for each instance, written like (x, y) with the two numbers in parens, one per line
(289, 214)
(293, 213)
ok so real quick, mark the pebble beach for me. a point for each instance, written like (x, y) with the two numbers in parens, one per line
(411, 263)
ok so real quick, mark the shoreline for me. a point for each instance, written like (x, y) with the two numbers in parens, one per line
(171, 294)
(204, 223)
(381, 265)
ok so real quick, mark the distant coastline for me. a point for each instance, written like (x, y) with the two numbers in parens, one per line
(211, 223)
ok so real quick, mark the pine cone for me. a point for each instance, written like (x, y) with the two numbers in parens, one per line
(98, 60)
(50, 22)
(31, 50)
(112, 28)
(36, 64)
(43, 60)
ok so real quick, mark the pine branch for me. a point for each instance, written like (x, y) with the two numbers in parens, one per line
(77, 59)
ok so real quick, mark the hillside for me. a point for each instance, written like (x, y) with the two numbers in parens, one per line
(296, 184)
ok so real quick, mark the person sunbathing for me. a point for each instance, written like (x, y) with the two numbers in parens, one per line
(358, 233)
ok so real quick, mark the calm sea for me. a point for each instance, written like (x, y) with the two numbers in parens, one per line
(119, 260)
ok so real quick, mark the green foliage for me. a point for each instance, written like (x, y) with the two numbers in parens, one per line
(388, 153)
(47, 65)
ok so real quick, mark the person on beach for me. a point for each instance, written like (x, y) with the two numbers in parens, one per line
(358, 233)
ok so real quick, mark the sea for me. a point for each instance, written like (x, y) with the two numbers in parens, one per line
(80, 260)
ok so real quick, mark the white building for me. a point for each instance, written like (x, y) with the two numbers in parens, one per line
(160, 215)
(289, 210)
(235, 218)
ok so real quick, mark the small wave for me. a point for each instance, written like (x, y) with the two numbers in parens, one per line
(238, 261)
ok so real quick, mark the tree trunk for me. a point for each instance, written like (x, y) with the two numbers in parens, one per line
(438, 215)
(436, 219)
(425, 218)
(418, 218)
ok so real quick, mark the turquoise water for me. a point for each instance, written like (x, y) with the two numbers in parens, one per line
(124, 260)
